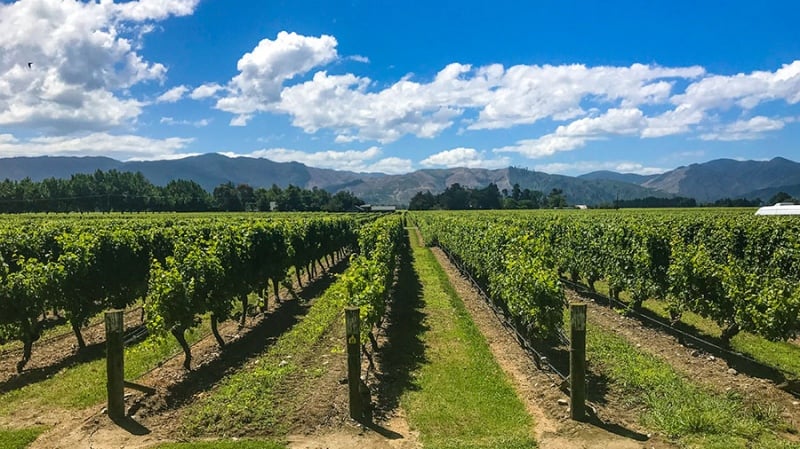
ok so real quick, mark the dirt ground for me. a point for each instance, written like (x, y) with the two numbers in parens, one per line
(52, 354)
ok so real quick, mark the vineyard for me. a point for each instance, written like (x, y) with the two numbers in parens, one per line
(182, 267)
(235, 317)
(741, 271)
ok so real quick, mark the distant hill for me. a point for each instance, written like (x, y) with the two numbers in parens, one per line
(632, 178)
(769, 192)
(722, 178)
(727, 178)
(399, 189)
(208, 170)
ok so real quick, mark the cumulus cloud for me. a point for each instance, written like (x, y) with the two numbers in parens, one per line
(121, 147)
(596, 102)
(464, 157)
(84, 56)
(527, 94)
(173, 95)
(263, 71)
(344, 104)
(746, 129)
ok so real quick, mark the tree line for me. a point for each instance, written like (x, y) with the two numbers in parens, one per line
(457, 197)
(131, 192)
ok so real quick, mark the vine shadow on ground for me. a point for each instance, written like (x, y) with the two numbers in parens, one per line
(404, 351)
(236, 353)
(31, 376)
(696, 339)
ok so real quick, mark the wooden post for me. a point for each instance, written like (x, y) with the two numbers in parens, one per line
(577, 361)
(353, 325)
(115, 364)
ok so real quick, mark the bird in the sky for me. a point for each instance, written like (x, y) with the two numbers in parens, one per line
(30, 65)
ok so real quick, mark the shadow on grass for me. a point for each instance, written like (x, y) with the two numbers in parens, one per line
(404, 350)
(696, 338)
(236, 354)
(35, 375)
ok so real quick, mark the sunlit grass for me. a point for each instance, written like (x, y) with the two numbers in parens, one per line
(463, 399)
(19, 438)
(782, 355)
(679, 408)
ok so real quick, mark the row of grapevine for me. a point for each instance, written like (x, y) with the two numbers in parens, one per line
(81, 267)
(737, 269)
(206, 273)
(510, 263)
(367, 282)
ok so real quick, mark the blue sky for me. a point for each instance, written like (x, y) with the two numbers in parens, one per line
(557, 86)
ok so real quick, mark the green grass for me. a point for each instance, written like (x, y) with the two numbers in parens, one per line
(243, 403)
(83, 385)
(463, 399)
(782, 355)
(678, 408)
(19, 438)
(221, 444)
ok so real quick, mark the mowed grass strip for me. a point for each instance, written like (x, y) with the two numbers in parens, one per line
(676, 407)
(778, 354)
(463, 399)
(243, 403)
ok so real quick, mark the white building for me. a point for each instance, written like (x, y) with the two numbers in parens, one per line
(780, 209)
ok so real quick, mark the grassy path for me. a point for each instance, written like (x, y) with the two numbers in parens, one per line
(459, 397)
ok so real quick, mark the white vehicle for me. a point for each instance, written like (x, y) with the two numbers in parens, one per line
(780, 209)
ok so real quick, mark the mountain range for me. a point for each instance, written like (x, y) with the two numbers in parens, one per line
(706, 182)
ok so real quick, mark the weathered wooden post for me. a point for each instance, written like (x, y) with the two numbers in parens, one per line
(115, 364)
(353, 325)
(577, 361)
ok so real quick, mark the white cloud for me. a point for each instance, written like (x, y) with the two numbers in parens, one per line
(744, 90)
(576, 134)
(464, 157)
(196, 123)
(598, 102)
(575, 168)
(121, 147)
(84, 56)
(344, 104)
(527, 94)
(155, 9)
(501, 97)
(173, 95)
(262, 72)
(205, 91)
(390, 165)
(746, 129)
(359, 58)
